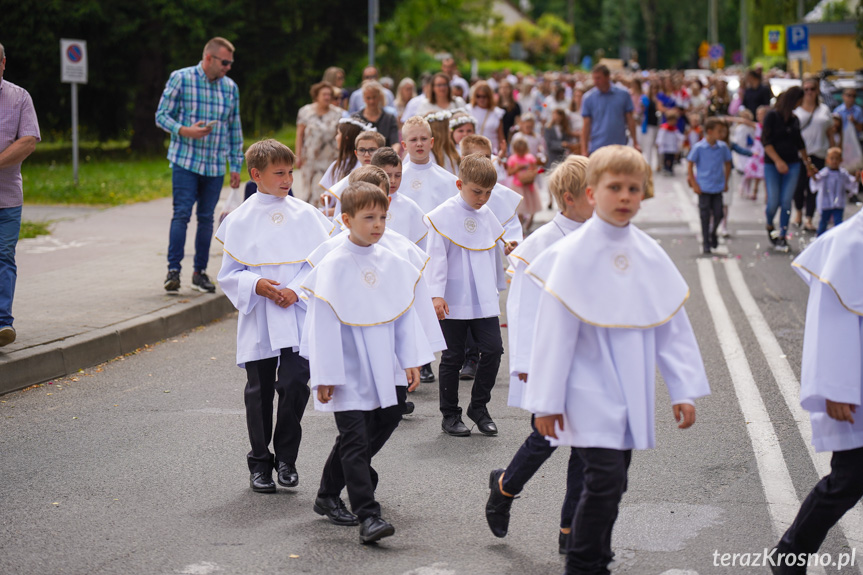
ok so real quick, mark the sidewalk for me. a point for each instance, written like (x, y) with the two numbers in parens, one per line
(92, 290)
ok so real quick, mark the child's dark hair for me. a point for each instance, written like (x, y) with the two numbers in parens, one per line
(262, 154)
(371, 175)
(714, 122)
(362, 195)
(386, 156)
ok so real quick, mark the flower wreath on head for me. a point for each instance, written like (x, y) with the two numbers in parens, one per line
(359, 124)
(456, 122)
(441, 116)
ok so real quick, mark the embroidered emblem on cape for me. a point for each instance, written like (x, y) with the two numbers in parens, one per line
(621, 262)
(370, 278)
(416, 184)
(277, 218)
(470, 225)
(389, 216)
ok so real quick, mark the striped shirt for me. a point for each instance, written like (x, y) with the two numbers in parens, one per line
(190, 97)
(17, 120)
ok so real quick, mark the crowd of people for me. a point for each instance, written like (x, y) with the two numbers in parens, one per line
(422, 212)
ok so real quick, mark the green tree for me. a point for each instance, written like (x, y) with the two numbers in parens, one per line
(417, 29)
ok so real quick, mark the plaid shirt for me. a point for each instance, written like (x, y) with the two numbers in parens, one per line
(190, 97)
(17, 120)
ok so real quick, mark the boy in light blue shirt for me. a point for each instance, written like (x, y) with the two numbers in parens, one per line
(709, 168)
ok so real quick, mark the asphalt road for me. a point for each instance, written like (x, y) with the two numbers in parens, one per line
(138, 465)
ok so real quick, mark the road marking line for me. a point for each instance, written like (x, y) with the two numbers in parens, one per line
(782, 502)
(852, 522)
(690, 212)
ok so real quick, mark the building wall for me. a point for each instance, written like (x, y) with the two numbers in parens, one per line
(841, 53)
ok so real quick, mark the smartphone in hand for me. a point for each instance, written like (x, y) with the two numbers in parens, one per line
(211, 124)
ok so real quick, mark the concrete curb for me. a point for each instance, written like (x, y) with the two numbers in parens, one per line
(60, 358)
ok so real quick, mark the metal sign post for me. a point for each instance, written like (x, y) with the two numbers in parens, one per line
(73, 65)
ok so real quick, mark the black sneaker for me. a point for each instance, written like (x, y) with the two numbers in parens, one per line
(172, 282)
(408, 408)
(468, 370)
(202, 283)
(426, 374)
(781, 245)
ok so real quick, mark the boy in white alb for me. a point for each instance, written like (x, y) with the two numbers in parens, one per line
(266, 242)
(423, 180)
(405, 249)
(404, 215)
(566, 185)
(593, 363)
(461, 275)
(831, 387)
(361, 330)
(504, 205)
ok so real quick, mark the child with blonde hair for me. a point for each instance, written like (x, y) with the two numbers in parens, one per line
(592, 370)
(566, 184)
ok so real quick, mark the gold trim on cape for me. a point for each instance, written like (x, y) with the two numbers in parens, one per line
(465, 247)
(608, 326)
(365, 324)
(826, 281)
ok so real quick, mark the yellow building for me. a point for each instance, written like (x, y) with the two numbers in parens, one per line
(832, 45)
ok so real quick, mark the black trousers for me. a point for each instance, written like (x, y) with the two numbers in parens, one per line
(710, 206)
(288, 375)
(803, 196)
(828, 501)
(668, 161)
(529, 458)
(605, 472)
(486, 334)
(471, 351)
(362, 434)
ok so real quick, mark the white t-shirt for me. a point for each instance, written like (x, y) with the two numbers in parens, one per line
(813, 128)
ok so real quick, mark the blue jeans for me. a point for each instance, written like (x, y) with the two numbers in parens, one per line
(189, 188)
(780, 191)
(10, 227)
(826, 215)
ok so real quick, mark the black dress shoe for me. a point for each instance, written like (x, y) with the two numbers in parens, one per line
(426, 374)
(408, 408)
(483, 422)
(287, 474)
(498, 505)
(335, 510)
(453, 425)
(468, 370)
(374, 528)
(561, 542)
(262, 482)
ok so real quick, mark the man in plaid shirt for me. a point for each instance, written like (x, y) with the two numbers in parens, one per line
(200, 108)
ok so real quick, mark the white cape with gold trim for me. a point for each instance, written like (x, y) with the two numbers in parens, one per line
(405, 249)
(361, 326)
(832, 365)
(639, 284)
(523, 299)
(268, 237)
(254, 234)
(428, 185)
(610, 313)
(836, 259)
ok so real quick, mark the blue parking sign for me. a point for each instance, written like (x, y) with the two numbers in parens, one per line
(798, 41)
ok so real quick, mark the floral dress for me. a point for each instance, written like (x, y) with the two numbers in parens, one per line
(755, 166)
(319, 146)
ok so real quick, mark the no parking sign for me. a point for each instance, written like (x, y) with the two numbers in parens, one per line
(73, 61)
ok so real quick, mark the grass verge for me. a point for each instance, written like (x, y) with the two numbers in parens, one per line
(105, 176)
(33, 229)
